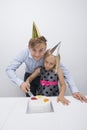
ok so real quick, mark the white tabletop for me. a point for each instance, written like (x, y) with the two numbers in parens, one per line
(13, 116)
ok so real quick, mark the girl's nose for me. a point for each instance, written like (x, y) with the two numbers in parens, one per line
(47, 65)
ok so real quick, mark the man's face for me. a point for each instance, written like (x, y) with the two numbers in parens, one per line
(49, 62)
(38, 51)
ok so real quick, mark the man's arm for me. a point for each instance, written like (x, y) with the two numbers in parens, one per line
(68, 78)
(71, 84)
(13, 66)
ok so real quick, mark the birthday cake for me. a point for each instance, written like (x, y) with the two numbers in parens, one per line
(39, 104)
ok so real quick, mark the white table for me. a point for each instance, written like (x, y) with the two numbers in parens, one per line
(13, 116)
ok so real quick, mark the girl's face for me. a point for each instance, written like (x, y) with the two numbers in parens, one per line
(38, 51)
(49, 62)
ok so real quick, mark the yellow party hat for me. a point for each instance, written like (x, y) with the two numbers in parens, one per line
(35, 31)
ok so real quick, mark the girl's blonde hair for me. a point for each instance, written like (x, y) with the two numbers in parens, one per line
(48, 53)
(57, 63)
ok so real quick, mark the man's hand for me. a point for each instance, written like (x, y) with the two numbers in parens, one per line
(25, 86)
(80, 97)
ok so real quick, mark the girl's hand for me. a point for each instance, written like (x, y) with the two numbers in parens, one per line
(63, 100)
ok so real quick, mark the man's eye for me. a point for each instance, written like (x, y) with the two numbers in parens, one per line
(40, 50)
(34, 50)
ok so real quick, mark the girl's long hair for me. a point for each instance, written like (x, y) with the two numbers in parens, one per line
(48, 53)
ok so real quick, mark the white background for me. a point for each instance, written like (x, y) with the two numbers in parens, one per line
(64, 20)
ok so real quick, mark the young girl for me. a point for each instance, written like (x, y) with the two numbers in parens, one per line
(50, 77)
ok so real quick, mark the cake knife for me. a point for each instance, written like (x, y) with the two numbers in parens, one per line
(30, 93)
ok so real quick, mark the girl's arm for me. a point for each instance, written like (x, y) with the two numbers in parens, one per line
(62, 87)
(62, 82)
(33, 75)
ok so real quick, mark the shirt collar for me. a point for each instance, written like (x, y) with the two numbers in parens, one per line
(30, 56)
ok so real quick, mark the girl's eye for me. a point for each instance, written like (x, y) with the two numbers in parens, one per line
(46, 62)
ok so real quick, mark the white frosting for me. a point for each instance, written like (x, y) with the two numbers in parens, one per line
(38, 105)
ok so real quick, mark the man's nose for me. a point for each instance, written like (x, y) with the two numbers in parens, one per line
(37, 54)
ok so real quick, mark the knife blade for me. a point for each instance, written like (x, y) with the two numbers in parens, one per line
(30, 93)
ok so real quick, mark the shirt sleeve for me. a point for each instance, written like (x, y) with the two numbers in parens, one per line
(13, 66)
(68, 78)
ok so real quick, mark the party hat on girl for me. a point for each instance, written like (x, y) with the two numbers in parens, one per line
(54, 48)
